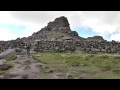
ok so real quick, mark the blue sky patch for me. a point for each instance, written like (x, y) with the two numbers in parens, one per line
(15, 29)
(85, 32)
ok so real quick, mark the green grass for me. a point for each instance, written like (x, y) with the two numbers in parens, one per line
(57, 36)
(12, 57)
(19, 52)
(28, 62)
(2, 72)
(88, 65)
(48, 57)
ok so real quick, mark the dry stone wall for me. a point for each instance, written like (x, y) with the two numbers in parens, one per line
(5, 45)
(83, 46)
(91, 47)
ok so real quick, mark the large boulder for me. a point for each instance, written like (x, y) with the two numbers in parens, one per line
(7, 53)
(3, 65)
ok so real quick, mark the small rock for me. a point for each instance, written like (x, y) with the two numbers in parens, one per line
(1, 77)
(49, 71)
(5, 66)
(69, 76)
(12, 75)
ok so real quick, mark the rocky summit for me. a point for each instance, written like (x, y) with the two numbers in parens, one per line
(58, 36)
(59, 29)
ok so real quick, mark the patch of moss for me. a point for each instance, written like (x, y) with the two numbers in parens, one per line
(2, 72)
(57, 36)
(117, 71)
(13, 57)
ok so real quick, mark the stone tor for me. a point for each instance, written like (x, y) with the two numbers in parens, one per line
(57, 36)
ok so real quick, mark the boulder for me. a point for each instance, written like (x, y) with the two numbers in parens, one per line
(4, 66)
(7, 53)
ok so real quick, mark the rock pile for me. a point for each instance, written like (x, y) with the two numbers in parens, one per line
(59, 27)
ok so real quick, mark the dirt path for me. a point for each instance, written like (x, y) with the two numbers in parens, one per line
(24, 68)
(28, 68)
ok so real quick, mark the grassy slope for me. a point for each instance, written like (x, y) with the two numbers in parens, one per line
(82, 65)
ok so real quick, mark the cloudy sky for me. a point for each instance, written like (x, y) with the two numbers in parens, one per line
(14, 24)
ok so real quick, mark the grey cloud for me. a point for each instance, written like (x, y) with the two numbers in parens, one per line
(111, 17)
(31, 16)
(106, 17)
(38, 16)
